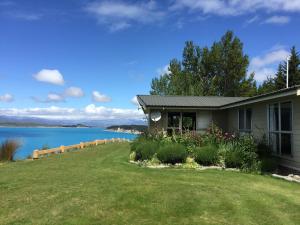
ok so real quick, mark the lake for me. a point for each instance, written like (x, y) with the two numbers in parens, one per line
(36, 138)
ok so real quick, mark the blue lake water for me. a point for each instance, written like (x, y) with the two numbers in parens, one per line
(36, 138)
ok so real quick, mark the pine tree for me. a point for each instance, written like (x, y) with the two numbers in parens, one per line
(294, 68)
(267, 86)
(280, 77)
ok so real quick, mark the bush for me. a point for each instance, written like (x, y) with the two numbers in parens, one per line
(241, 153)
(8, 150)
(233, 158)
(207, 155)
(172, 153)
(146, 150)
(269, 164)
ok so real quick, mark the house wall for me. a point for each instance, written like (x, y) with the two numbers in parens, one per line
(260, 125)
(228, 121)
(203, 119)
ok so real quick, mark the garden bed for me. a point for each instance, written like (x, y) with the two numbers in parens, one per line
(214, 149)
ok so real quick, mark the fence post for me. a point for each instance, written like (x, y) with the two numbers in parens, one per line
(62, 149)
(96, 142)
(35, 154)
(81, 145)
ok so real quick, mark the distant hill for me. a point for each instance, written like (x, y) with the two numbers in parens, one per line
(140, 128)
(14, 121)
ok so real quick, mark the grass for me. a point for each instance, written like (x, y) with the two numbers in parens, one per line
(99, 186)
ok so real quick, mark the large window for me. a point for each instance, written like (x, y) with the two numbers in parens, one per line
(280, 128)
(181, 122)
(245, 120)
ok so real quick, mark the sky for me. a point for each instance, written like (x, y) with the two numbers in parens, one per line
(74, 59)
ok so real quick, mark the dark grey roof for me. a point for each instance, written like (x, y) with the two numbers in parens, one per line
(186, 101)
(211, 101)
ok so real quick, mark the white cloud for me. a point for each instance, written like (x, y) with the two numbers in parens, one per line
(277, 20)
(74, 92)
(23, 15)
(120, 15)
(90, 112)
(135, 101)
(6, 98)
(50, 76)
(98, 97)
(252, 20)
(163, 70)
(266, 64)
(236, 7)
(51, 97)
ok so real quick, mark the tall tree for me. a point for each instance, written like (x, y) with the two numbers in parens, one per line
(280, 77)
(267, 86)
(219, 70)
(248, 87)
(294, 68)
(232, 64)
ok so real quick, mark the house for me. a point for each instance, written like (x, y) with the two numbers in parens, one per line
(275, 116)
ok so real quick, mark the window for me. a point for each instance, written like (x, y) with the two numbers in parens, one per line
(280, 128)
(245, 120)
(173, 120)
(179, 122)
(188, 121)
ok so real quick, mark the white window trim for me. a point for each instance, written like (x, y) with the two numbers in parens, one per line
(245, 116)
(279, 128)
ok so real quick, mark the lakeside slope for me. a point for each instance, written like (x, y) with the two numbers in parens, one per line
(99, 186)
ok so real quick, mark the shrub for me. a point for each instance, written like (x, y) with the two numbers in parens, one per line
(8, 150)
(233, 158)
(241, 153)
(207, 155)
(269, 164)
(263, 149)
(172, 153)
(146, 150)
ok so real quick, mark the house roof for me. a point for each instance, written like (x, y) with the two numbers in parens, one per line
(186, 101)
(213, 102)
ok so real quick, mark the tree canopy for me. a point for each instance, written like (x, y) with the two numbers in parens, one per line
(220, 70)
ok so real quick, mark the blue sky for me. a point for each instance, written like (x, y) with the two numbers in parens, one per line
(76, 58)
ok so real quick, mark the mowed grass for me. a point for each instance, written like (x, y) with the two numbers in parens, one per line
(99, 186)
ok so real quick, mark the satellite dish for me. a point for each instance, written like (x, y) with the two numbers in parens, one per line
(155, 116)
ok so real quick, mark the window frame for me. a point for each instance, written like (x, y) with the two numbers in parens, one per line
(245, 130)
(279, 131)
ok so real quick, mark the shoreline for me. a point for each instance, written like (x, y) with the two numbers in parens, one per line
(43, 127)
(124, 131)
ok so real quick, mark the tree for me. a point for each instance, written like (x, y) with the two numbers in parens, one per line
(248, 87)
(231, 64)
(280, 77)
(219, 70)
(267, 86)
(294, 68)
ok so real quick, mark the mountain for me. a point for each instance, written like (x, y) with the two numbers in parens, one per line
(34, 122)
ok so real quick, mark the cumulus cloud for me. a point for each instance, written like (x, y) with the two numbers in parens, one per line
(277, 20)
(91, 112)
(51, 97)
(50, 76)
(119, 15)
(266, 64)
(236, 7)
(135, 101)
(74, 92)
(163, 70)
(98, 97)
(6, 98)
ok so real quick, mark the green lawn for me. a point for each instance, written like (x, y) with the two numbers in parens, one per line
(99, 186)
